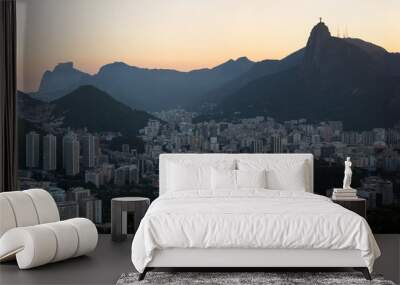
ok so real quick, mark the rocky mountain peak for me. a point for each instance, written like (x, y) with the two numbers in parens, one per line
(319, 33)
(64, 76)
(64, 66)
(318, 40)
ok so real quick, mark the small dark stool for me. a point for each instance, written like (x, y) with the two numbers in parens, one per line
(120, 207)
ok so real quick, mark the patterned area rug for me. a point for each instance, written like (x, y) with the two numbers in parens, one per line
(243, 278)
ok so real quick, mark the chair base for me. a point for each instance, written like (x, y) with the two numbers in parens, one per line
(47, 243)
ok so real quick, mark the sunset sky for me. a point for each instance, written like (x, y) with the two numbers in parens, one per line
(185, 34)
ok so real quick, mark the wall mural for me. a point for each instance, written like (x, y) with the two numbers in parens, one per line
(106, 86)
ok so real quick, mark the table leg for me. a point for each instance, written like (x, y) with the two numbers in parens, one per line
(116, 222)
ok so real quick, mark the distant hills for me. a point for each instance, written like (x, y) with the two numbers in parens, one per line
(86, 106)
(332, 79)
(90, 107)
(258, 70)
(142, 88)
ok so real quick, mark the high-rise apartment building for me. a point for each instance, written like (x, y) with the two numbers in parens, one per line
(94, 177)
(71, 149)
(88, 151)
(127, 174)
(276, 144)
(97, 150)
(125, 148)
(257, 146)
(32, 150)
(91, 208)
(68, 209)
(49, 152)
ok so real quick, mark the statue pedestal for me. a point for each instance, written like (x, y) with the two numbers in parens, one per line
(340, 193)
(349, 190)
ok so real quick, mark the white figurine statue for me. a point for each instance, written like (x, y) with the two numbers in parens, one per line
(347, 174)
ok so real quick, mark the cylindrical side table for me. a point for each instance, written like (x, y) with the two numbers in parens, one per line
(119, 214)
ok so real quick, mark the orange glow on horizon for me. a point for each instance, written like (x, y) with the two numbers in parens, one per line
(184, 35)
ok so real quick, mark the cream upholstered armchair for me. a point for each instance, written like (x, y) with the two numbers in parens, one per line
(31, 230)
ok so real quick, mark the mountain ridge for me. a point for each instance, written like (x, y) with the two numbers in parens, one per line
(259, 69)
(326, 80)
(335, 79)
(145, 88)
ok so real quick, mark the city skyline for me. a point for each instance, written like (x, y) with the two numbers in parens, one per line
(183, 35)
(373, 153)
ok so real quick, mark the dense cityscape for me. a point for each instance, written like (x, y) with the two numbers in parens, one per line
(82, 172)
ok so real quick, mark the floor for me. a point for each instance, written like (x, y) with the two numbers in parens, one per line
(110, 260)
(389, 262)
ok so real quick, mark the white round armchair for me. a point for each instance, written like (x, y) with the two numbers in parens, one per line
(31, 230)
